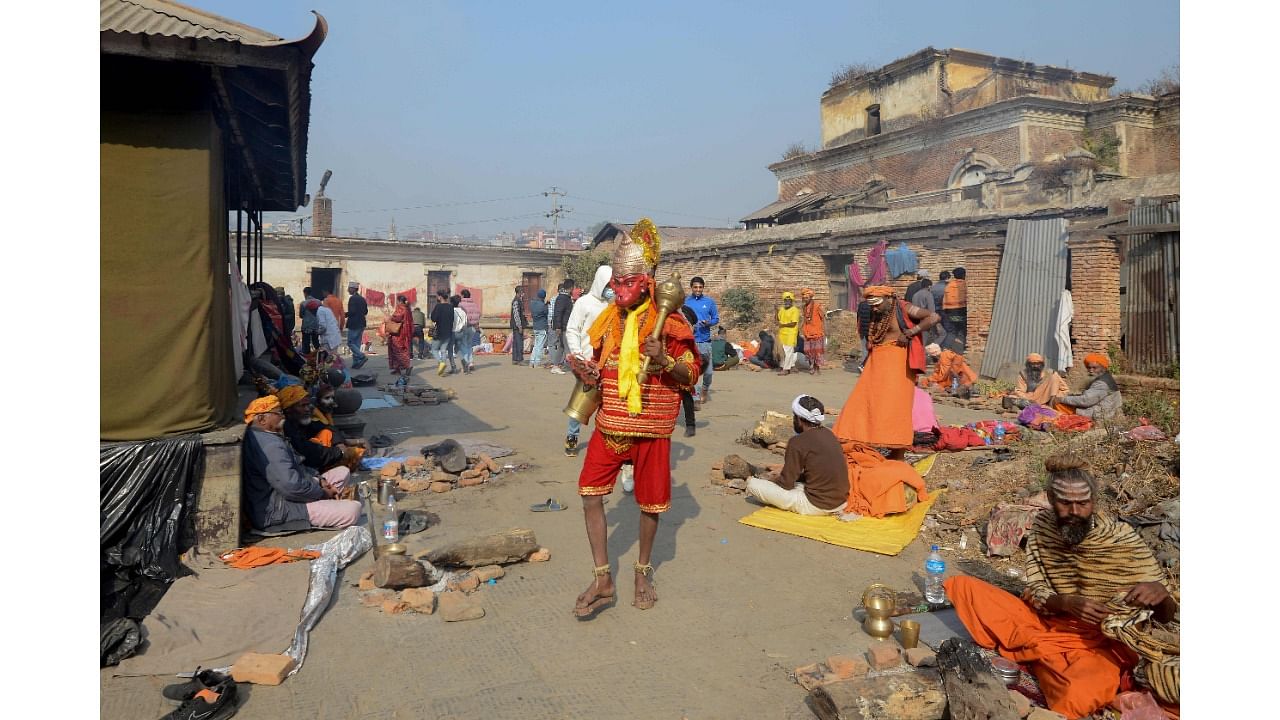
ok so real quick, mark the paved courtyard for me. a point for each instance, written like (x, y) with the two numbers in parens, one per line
(739, 607)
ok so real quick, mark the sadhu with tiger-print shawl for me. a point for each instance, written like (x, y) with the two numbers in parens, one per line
(1097, 607)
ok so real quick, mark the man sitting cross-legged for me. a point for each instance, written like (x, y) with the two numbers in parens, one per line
(1097, 603)
(281, 492)
(815, 479)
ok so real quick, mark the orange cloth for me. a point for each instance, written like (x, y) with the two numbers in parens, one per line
(815, 321)
(876, 484)
(350, 459)
(291, 395)
(1064, 409)
(1078, 668)
(252, 557)
(878, 410)
(269, 403)
(956, 295)
(878, 291)
(1098, 359)
(333, 303)
(951, 364)
(1051, 385)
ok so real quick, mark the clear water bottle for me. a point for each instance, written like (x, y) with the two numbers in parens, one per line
(391, 526)
(934, 567)
(955, 385)
(999, 433)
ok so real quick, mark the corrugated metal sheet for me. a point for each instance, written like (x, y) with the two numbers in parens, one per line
(158, 17)
(774, 209)
(1149, 276)
(1033, 274)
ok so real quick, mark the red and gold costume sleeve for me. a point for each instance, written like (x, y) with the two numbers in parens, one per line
(660, 394)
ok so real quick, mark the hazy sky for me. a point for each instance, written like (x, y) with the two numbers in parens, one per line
(674, 109)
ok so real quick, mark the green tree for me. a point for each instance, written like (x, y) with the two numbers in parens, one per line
(581, 266)
(744, 304)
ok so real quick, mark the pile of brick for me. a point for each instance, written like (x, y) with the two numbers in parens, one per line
(426, 395)
(732, 473)
(772, 432)
(417, 474)
(457, 601)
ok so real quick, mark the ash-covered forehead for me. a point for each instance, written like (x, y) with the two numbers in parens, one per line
(1071, 489)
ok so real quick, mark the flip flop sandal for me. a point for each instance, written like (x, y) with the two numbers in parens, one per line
(551, 505)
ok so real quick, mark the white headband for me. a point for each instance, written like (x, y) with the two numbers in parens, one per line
(814, 416)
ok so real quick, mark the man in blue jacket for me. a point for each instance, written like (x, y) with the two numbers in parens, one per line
(708, 316)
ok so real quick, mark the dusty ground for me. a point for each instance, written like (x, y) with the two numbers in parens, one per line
(739, 607)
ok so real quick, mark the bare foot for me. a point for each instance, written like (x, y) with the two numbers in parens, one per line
(646, 596)
(597, 595)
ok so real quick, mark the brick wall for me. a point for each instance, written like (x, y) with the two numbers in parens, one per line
(1139, 151)
(913, 171)
(1095, 294)
(768, 275)
(1046, 141)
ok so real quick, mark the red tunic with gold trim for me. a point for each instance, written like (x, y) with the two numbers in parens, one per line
(643, 439)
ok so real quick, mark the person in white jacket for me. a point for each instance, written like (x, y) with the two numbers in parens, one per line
(578, 342)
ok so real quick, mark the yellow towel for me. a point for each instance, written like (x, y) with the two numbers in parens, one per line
(887, 535)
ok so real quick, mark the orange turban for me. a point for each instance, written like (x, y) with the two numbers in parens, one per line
(291, 395)
(1035, 358)
(878, 291)
(806, 292)
(1098, 359)
(269, 403)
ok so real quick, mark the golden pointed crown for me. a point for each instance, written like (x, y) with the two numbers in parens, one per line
(637, 251)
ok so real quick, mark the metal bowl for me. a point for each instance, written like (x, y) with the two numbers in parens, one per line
(393, 549)
(1006, 671)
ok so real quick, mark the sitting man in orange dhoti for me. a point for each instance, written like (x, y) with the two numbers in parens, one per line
(1097, 604)
(1035, 385)
(952, 369)
(878, 410)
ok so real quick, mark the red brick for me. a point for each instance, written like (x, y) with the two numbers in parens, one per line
(540, 555)
(457, 607)
(920, 657)
(489, 572)
(468, 582)
(366, 581)
(1021, 703)
(810, 676)
(375, 598)
(261, 668)
(390, 470)
(394, 606)
(419, 600)
(471, 481)
(441, 487)
(845, 667)
(1043, 714)
(883, 655)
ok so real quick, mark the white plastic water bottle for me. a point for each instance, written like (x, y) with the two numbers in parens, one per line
(391, 526)
(934, 567)
(1000, 432)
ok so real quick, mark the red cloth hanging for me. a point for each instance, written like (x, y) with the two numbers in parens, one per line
(373, 297)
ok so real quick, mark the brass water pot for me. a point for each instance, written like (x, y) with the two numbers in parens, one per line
(583, 403)
(878, 601)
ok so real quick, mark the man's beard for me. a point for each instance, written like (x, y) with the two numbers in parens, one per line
(304, 420)
(1073, 530)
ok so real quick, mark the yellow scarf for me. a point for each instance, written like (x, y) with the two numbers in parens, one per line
(629, 360)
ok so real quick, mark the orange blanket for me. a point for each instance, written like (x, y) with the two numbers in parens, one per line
(877, 487)
(878, 410)
(1078, 668)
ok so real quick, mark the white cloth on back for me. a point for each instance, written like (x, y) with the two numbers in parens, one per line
(1062, 332)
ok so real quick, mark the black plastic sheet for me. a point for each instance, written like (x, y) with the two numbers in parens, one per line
(148, 494)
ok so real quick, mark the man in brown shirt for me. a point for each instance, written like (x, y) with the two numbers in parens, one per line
(815, 479)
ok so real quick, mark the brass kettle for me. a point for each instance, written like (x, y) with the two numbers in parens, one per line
(878, 601)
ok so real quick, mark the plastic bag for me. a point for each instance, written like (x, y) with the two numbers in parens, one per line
(120, 640)
(1137, 706)
(147, 497)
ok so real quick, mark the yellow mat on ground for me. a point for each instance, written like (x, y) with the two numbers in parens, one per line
(887, 535)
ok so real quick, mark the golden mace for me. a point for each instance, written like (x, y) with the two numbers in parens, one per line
(669, 295)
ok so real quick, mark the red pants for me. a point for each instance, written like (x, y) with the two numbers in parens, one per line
(652, 459)
(1078, 668)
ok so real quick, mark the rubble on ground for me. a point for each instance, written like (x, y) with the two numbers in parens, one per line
(424, 395)
(771, 433)
(418, 474)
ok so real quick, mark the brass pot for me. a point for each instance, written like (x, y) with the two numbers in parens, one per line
(584, 402)
(878, 601)
(877, 625)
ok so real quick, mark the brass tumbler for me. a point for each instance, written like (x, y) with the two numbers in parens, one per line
(909, 631)
(584, 402)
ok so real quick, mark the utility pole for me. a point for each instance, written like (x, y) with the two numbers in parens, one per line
(556, 211)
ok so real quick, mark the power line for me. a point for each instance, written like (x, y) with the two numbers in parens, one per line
(650, 210)
(445, 204)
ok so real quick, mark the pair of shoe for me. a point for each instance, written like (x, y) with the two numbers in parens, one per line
(441, 367)
(689, 430)
(571, 446)
(208, 695)
(557, 371)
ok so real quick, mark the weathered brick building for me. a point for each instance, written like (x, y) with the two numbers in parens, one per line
(940, 150)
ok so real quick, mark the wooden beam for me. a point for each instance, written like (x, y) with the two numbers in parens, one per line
(237, 134)
(1145, 229)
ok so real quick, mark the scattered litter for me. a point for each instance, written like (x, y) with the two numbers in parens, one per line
(386, 401)
(551, 505)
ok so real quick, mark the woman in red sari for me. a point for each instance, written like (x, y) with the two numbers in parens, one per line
(398, 343)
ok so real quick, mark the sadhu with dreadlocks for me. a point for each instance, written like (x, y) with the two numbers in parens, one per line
(878, 411)
(635, 419)
(1097, 605)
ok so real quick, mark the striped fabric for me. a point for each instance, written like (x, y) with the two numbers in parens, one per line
(1104, 567)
